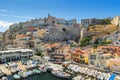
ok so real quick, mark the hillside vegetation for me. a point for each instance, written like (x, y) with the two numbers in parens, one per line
(104, 29)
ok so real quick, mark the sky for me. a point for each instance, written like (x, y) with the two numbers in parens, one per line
(14, 11)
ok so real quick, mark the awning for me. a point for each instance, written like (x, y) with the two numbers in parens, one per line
(112, 77)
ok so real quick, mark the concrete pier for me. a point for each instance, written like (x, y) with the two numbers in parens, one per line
(21, 66)
(5, 70)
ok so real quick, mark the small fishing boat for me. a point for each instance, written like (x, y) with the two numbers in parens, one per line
(13, 70)
(77, 78)
(60, 74)
(23, 74)
(4, 78)
(43, 69)
(29, 73)
(107, 76)
(16, 76)
(117, 77)
(36, 71)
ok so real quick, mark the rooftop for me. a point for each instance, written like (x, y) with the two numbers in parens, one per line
(19, 50)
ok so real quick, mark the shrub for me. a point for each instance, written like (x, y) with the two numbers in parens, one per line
(85, 41)
(39, 53)
(73, 45)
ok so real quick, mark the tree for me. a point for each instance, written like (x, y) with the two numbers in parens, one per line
(85, 41)
(73, 45)
(105, 21)
(39, 53)
(20, 26)
(97, 41)
(95, 46)
(102, 41)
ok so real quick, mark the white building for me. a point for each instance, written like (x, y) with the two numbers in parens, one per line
(99, 58)
(13, 55)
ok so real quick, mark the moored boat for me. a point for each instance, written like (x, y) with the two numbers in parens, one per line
(4, 78)
(16, 76)
(36, 71)
(29, 73)
(60, 74)
(23, 74)
(77, 78)
(117, 77)
(43, 69)
(107, 76)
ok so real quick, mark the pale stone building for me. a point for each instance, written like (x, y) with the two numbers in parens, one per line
(116, 21)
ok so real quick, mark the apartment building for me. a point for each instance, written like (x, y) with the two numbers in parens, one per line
(91, 21)
(17, 54)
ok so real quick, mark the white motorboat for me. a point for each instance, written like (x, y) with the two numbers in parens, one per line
(107, 76)
(43, 68)
(4, 78)
(117, 77)
(77, 78)
(16, 76)
(23, 74)
(60, 74)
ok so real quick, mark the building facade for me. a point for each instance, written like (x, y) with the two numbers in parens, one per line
(113, 64)
(79, 56)
(116, 21)
(102, 54)
(13, 55)
(87, 22)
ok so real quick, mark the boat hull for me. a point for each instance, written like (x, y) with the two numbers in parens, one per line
(45, 70)
(16, 77)
(60, 76)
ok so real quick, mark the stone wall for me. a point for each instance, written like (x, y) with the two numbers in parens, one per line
(63, 33)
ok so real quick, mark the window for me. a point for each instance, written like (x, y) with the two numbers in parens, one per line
(102, 57)
(82, 61)
(92, 62)
(81, 56)
(93, 57)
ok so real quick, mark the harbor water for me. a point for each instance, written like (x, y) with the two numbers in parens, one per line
(42, 76)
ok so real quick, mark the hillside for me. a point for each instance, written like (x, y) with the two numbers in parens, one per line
(104, 29)
(50, 28)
